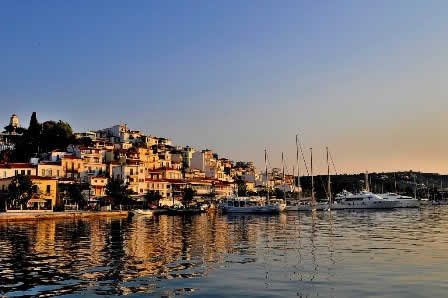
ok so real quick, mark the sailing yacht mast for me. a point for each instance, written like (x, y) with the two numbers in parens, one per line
(298, 168)
(283, 177)
(266, 171)
(312, 177)
(329, 181)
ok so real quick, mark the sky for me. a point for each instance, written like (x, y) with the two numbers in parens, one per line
(365, 78)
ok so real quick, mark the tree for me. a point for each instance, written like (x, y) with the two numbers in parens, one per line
(153, 197)
(242, 187)
(279, 194)
(188, 195)
(84, 141)
(75, 195)
(32, 137)
(20, 191)
(118, 191)
(56, 135)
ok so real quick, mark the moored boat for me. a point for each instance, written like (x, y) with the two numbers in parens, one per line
(143, 212)
(404, 201)
(363, 200)
(251, 205)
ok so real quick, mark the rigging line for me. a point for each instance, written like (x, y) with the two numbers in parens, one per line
(332, 162)
(303, 157)
(323, 186)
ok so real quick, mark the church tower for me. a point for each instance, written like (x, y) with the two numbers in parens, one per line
(14, 122)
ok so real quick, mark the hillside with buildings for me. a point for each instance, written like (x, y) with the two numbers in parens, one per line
(144, 163)
(56, 159)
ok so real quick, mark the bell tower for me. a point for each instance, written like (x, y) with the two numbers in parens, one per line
(14, 122)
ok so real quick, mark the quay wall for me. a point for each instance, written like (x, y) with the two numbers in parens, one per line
(27, 216)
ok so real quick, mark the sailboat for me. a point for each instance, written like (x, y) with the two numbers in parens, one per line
(304, 204)
(253, 205)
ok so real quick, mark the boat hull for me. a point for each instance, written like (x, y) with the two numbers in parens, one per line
(143, 212)
(255, 209)
(319, 207)
(363, 205)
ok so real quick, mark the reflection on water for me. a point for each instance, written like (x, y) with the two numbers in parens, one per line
(399, 253)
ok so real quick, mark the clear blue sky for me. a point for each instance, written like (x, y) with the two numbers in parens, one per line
(366, 78)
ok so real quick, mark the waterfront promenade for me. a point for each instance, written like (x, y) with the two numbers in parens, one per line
(29, 216)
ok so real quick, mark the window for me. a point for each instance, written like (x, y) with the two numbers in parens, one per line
(16, 172)
(29, 172)
(58, 173)
(50, 172)
(131, 171)
(22, 172)
(4, 174)
(43, 172)
(48, 189)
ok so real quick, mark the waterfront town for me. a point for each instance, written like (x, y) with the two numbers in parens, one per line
(89, 167)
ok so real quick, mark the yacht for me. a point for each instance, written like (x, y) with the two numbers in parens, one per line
(252, 205)
(405, 201)
(363, 200)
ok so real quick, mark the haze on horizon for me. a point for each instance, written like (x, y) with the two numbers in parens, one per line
(365, 78)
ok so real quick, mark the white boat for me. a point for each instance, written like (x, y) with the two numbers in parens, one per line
(143, 212)
(440, 202)
(252, 205)
(404, 201)
(363, 200)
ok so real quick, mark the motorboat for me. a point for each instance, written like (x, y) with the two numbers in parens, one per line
(363, 200)
(405, 201)
(143, 212)
(252, 205)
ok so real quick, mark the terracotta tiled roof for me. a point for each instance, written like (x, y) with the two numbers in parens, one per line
(17, 166)
(55, 163)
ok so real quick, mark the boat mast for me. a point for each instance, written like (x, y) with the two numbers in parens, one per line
(329, 181)
(283, 178)
(298, 169)
(312, 177)
(266, 172)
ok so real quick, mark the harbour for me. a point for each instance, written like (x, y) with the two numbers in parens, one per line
(343, 253)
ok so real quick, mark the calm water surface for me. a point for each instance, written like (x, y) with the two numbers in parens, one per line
(399, 253)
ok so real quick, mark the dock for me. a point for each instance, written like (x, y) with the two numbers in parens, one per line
(32, 216)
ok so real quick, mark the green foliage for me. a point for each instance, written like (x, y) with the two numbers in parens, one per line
(188, 195)
(32, 137)
(56, 135)
(242, 187)
(262, 193)
(20, 191)
(279, 194)
(118, 191)
(75, 194)
(84, 141)
(251, 193)
(40, 138)
(153, 197)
